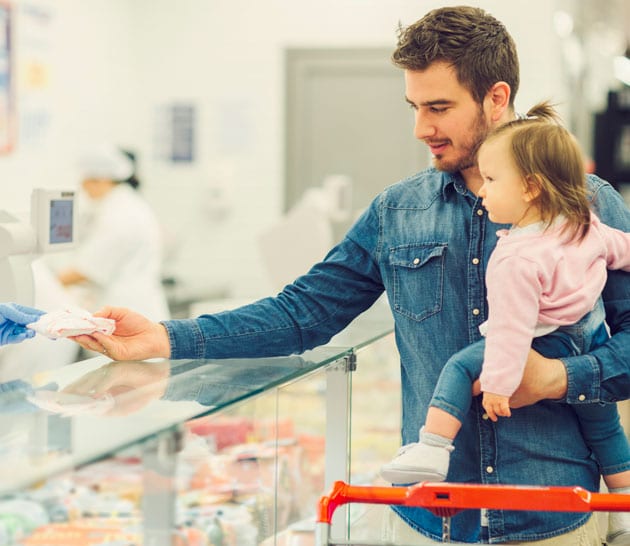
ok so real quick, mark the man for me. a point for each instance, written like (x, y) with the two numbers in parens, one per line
(426, 241)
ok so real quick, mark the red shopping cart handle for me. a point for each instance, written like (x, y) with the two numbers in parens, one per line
(446, 499)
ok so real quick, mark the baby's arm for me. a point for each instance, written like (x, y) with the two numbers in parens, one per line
(496, 405)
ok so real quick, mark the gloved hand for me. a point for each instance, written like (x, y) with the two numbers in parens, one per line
(13, 320)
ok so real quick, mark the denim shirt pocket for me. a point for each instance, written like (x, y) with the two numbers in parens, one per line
(418, 279)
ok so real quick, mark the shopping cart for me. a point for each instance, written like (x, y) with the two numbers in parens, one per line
(447, 499)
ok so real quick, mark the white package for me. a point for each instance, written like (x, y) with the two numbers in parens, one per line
(71, 322)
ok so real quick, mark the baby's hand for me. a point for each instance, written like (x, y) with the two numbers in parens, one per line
(496, 405)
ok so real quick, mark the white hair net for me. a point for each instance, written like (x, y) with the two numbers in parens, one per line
(106, 162)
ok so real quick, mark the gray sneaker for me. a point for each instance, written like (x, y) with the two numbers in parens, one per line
(418, 462)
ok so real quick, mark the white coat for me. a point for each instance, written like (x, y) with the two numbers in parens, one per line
(120, 252)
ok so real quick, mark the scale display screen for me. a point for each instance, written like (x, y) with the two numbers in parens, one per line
(61, 221)
(53, 216)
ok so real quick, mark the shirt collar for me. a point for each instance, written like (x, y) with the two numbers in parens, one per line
(453, 182)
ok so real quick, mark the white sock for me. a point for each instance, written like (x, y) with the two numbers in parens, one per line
(622, 490)
(618, 522)
(433, 439)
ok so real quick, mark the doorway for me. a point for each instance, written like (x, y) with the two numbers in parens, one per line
(346, 115)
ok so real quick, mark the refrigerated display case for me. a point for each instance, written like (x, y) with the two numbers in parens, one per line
(194, 452)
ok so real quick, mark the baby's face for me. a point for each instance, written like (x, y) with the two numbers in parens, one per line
(504, 190)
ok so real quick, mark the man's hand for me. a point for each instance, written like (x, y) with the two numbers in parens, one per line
(496, 405)
(135, 337)
(543, 378)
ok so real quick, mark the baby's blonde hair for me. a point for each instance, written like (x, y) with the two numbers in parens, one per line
(549, 157)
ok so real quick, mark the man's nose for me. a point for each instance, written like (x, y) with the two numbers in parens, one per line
(423, 128)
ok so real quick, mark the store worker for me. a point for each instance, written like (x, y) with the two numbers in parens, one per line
(118, 258)
(426, 241)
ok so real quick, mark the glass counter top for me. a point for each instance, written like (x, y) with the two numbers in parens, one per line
(63, 418)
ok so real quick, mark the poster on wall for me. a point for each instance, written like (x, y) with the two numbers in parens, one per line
(33, 66)
(7, 118)
(175, 132)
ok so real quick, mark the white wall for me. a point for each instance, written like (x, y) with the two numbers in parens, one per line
(227, 57)
(66, 80)
(114, 63)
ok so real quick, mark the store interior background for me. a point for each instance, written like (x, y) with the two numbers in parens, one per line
(113, 70)
(88, 71)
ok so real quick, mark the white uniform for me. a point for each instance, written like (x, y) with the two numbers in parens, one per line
(120, 252)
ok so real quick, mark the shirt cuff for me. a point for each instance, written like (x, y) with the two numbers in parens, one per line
(583, 379)
(185, 337)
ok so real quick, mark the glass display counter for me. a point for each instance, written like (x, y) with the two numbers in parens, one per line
(195, 452)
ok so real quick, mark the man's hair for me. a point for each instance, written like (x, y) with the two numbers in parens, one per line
(472, 41)
(549, 156)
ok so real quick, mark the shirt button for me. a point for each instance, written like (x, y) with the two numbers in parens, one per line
(485, 417)
(581, 398)
(416, 261)
(489, 469)
(475, 261)
(479, 212)
(475, 312)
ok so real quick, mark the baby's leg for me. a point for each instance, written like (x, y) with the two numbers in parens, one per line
(453, 392)
(428, 460)
(603, 433)
(442, 423)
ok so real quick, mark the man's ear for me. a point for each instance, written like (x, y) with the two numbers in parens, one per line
(531, 191)
(498, 100)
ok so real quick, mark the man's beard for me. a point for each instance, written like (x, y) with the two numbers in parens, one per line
(469, 149)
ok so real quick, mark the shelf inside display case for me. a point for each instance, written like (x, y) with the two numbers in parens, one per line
(204, 452)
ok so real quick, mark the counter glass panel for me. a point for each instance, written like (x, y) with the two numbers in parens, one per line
(86, 441)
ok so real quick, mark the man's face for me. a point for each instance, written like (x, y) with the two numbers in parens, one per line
(447, 118)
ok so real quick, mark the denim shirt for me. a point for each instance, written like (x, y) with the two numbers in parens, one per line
(426, 242)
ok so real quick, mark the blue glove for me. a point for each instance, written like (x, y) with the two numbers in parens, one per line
(13, 320)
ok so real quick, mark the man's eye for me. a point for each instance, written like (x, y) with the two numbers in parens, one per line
(438, 110)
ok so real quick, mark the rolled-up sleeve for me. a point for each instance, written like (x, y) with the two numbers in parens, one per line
(603, 375)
